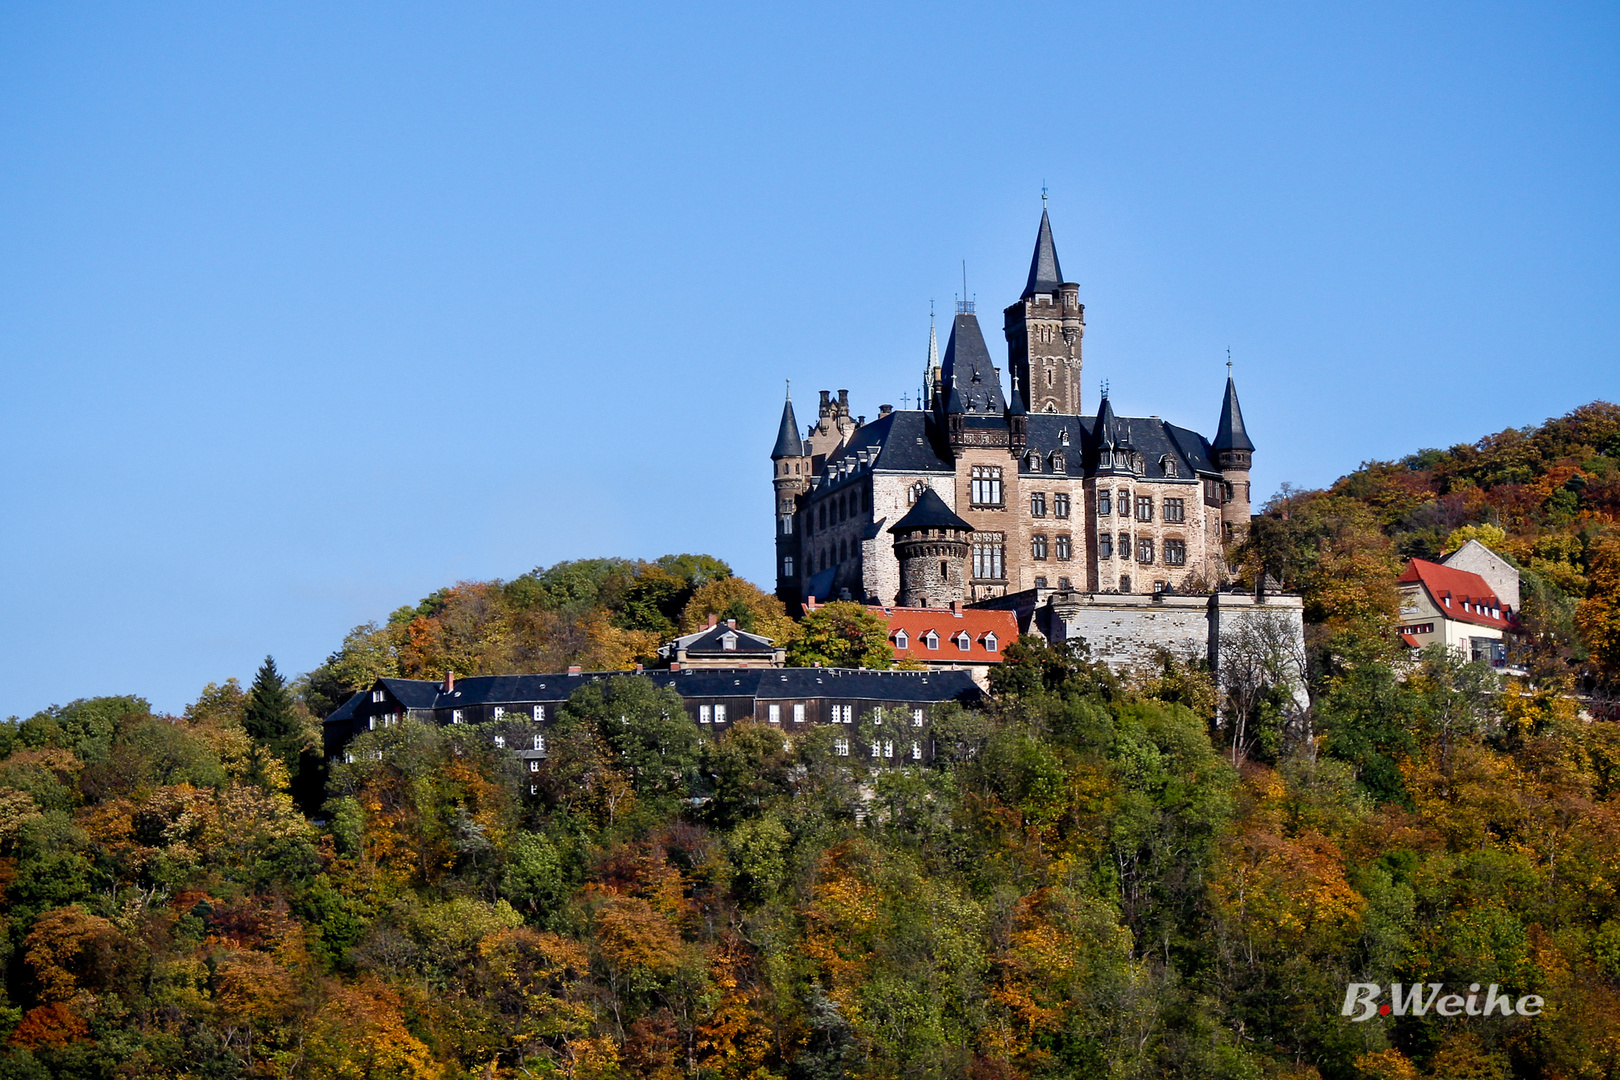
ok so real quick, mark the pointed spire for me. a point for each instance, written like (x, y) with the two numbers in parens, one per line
(953, 401)
(788, 443)
(968, 368)
(1044, 273)
(1016, 408)
(933, 359)
(1230, 435)
(1107, 428)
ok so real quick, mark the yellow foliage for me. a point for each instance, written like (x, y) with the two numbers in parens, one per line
(1288, 891)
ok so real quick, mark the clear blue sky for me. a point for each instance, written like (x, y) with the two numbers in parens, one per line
(309, 309)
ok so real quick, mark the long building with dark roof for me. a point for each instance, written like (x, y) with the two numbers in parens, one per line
(522, 708)
(1054, 498)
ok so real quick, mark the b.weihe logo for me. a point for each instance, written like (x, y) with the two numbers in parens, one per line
(1411, 1000)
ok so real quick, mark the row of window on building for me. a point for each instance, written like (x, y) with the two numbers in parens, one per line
(1174, 510)
(883, 749)
(930, 640)
(835, 510)
(1175, 551)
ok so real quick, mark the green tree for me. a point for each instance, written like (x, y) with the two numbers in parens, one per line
(271, 719)
(842, 634)
(646, 726)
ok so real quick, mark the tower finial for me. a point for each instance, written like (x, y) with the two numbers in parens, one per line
(1229, 361)
(1105, 388)
(1043, 196)
(790, 389)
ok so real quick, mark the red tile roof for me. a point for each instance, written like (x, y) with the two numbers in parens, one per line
(1458, 594)
(983, 629)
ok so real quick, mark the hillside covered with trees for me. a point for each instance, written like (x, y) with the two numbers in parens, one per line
(1091, 879)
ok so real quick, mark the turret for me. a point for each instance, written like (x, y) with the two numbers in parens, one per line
(790, 475)
(1044, 330)
(1234, 454)
(932, 542)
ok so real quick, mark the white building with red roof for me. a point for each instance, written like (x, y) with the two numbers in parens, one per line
(954, 638)
(1445, 605)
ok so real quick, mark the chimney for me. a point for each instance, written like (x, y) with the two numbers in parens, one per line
(674, 667)
(843, 403)
(956, 608)
(449, 682)
(713, 619)
(638, 669)
(884, 410)
(573, 669)
(732, 623)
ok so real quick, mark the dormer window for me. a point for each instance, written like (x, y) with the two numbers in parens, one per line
(963, 642)
(728, 642)
(1033, 461)
(990, 642)
(932, 640)
(901, 641)
(1168, 465)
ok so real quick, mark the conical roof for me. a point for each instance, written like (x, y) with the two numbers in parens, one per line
(1016, 407)
(930, 512)
(969, 372)
(788, 443)
(1110, 433)
(1230, 435)
(1044, 273)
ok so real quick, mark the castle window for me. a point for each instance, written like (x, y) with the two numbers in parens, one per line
(932, 640)
(1037, 547)
(1064, 551)
(1040, 582)
(787, 566)
(986, 485)
(1037, 504)
(1105, 460)
(990, 643)
(1060, 504)
(1144, 549)
(775, 714)
(1175, 510)
(1032, 461)
(1060, 463)
(1063, 583)
(1175, 553)
(787, 525)
(1125, 583)
(914, 492)
(1168, 465)
(944, 570)
(1105, 504)
(1048, 378)
(1144, 508)
(1105, 546)
(989, 551)
(901, 641)
(798, 712)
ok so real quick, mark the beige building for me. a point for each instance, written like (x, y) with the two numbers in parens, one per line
(1052, 498)
(1444, 605)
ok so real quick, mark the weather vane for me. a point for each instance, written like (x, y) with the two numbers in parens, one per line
(1229, 360)
(1043, 195)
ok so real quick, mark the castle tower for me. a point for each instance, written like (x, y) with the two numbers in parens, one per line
(931, 543)
(930, 368)
(1233, 455)
(1044, 330)
(790, 475)
(833, 426)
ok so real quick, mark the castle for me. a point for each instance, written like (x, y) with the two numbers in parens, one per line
(978, 497)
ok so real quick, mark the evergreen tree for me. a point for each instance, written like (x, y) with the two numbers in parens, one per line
(269, 718)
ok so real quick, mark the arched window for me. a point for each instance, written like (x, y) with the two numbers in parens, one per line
(914, 492)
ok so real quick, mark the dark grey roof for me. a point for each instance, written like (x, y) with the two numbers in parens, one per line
(820, 583)
(710, 639)
(930, 512)
(906, 442)
(1108, 433)
(788, 443)
(1044, 273)
(918, 686)
(969, 372)
(1230, 435)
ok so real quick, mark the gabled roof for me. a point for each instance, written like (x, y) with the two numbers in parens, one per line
(1044, 273)
(968, 371)
(930, 512)
(983, 628)
(1458, 594)
(788, 443)
(1230, 434)
(711, 639)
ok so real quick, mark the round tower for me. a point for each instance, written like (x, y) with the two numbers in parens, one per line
(932, 545)
(1234, 453)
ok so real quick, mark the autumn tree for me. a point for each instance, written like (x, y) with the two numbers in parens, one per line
(841, 634)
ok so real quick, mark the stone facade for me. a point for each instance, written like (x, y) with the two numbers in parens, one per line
(1055, 499)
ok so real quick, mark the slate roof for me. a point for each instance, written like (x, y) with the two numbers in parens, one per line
(711, 640)
(1230, 435)
(691, 683)
(930, 512)
(1458, 594)
(1044, 273)
(969, 371)
(788, 443)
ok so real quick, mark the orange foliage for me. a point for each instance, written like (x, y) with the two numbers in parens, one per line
(55, 1024)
